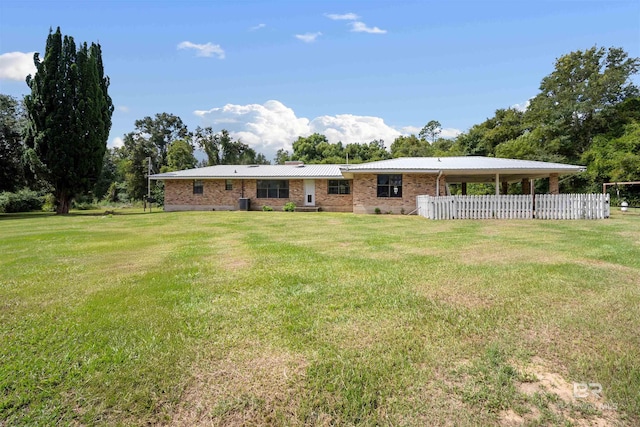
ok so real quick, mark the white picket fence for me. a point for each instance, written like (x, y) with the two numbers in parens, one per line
(572, 206)
(547, 206)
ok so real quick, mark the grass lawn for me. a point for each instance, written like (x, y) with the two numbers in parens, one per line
(274, 318)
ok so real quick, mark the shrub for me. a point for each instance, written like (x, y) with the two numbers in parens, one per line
(84, 206)
(49, 204)
(377, 211)
(267, 208)
(83, 202)
(21, 201)
(289, 207)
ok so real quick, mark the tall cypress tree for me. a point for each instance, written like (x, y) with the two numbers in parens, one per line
(69, 112)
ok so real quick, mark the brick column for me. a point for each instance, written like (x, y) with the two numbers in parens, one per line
(526, 186)
(554, 187)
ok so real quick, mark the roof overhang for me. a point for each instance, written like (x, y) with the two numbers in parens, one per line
(471, 175)
(165, 177)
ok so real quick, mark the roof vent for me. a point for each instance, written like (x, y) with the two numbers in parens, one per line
(293, 163)
(252, 166)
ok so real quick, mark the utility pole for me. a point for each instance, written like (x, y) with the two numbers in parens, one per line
(149, 178)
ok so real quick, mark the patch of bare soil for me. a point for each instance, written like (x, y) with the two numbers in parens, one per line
(504, 255)
(235, 257)
(581, 405)
(252, 386)
(457, 296)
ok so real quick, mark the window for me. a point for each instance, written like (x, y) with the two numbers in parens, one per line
(228, 184)
(273, 189)
(198, 187)
(339, 186)
(389, 185)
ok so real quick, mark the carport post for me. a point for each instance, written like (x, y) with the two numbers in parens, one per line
(497, 184)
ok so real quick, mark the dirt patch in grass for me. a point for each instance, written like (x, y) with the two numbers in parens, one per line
(505, 255)
(547, 397)
(251, 386)
(456, 297)
(634, 237)
(231, 255)
(361, 333)
(606, 266)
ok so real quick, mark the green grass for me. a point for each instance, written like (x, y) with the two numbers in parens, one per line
(313, 319)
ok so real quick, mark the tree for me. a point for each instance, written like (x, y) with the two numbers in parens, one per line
(616, 159)
(12, 122)
(179, 156)
(282, 156)
(431, 131)
(305, 149)
(137, 151)
(162, 130)
(410, 146)
(221, 149)
(572, 97)
(109, 173)
(207, 140)
(482, 139)
(69, 117)
(359, 153)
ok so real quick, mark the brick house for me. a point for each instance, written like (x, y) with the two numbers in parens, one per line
(389, 185)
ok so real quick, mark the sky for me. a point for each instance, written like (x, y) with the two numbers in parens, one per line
(355, 71)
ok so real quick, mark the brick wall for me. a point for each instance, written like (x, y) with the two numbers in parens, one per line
(333, 202)
(296, 195)
(179, 196)
(365, 193)
(363, 198)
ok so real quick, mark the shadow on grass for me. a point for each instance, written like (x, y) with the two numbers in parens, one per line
(32, 215)
(25, 215)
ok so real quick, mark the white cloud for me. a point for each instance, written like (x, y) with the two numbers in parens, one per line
(122, 108)
(523, 106)
(449, 133)
(257, 27)
(408, 130)
(308, 37)
(361, 27)
(349, 128)
(16, 65)
(272, 125)
(266, 127)
(206, 50)
(343, 17)
(116, 142)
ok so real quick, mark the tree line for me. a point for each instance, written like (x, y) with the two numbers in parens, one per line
(54, 141)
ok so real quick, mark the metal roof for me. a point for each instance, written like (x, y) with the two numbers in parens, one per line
(255, 172)
(470, 168)
(459, 164)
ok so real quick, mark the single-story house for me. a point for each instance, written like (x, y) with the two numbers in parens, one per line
(389, 185)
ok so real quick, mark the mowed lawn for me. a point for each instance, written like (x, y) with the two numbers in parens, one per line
(274, 318)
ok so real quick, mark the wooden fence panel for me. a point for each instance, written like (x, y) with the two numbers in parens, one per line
(547, 206)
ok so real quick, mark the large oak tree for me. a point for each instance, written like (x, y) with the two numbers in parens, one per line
(69, 117)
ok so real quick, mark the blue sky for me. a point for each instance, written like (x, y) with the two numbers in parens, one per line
(353, 70)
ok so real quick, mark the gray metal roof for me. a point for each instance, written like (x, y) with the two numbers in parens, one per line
(472, 164)
(455, 168)
(255, 172)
